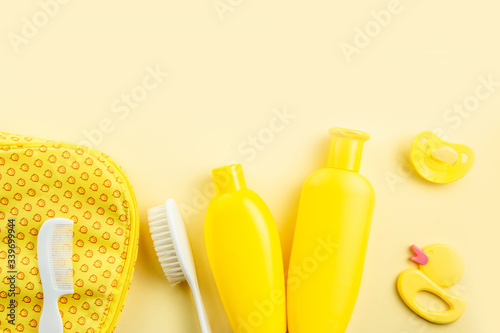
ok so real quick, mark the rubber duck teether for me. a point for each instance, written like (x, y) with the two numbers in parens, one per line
(440, 267)
(439, 161)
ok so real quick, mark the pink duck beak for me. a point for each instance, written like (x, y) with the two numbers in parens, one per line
(420, 257)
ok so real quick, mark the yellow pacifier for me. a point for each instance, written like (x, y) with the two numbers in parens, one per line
(439, 161)
(440, 267)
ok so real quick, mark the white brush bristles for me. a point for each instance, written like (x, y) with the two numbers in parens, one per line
(163, 244)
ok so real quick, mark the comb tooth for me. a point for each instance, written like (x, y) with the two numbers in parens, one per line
(61, 250)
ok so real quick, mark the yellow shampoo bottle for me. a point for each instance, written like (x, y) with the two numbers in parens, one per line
(244, 251)
(331, 237)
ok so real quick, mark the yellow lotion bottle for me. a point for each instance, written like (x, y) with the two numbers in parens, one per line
(331, 237)
(244, 251)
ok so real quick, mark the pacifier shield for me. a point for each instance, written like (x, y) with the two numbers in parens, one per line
(439, 161)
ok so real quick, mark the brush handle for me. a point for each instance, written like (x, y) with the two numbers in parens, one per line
(202, 313)
(50, 320)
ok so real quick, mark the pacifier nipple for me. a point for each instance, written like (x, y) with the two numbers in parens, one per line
(445, 155)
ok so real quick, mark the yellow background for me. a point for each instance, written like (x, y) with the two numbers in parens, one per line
(227, 77)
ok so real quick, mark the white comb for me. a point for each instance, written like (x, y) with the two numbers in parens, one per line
(54, 253)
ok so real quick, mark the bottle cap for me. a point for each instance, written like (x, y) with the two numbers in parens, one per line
(228, 179)
(346, 148)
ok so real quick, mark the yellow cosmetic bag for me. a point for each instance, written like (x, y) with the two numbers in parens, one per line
(42, 179)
